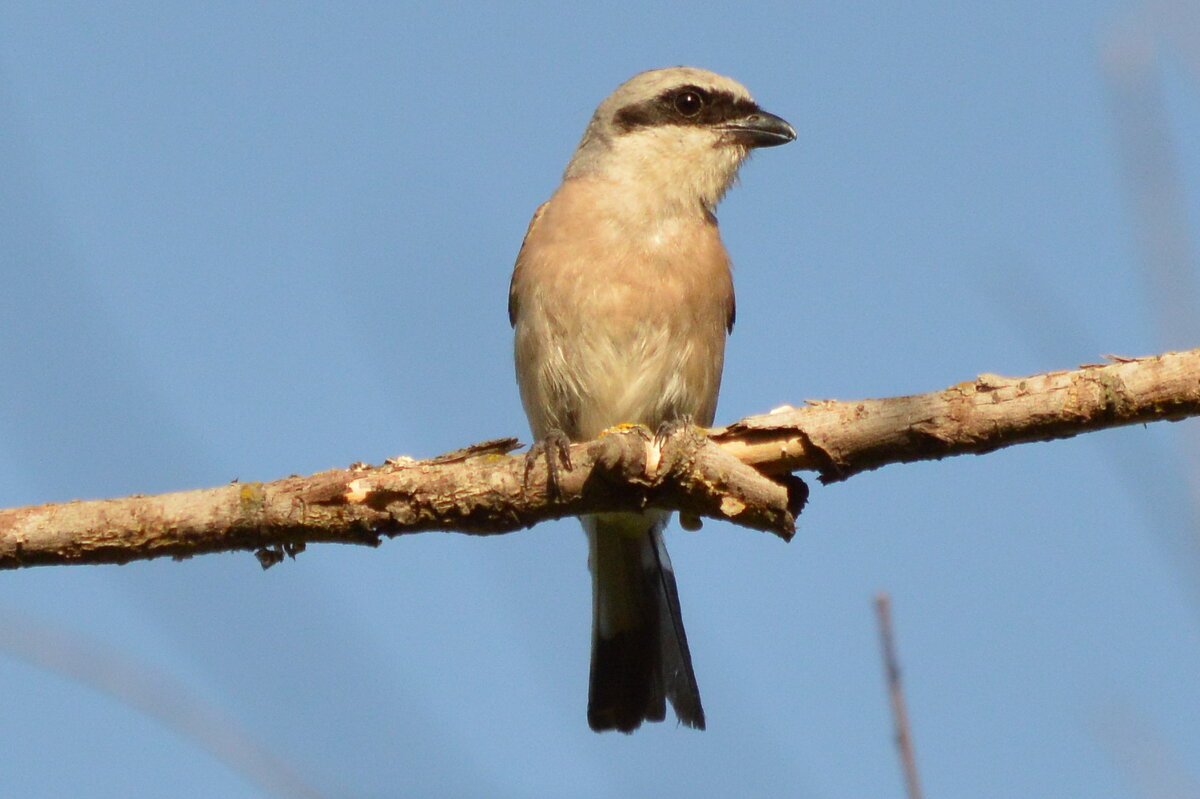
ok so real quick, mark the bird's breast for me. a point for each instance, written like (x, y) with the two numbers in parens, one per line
(622, 317)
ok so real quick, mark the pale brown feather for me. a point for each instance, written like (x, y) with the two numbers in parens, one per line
(617, 321)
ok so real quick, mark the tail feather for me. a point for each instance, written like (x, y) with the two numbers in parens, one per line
(640, 655)
(676, 657)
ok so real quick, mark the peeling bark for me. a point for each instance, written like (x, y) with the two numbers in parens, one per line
(739, 472)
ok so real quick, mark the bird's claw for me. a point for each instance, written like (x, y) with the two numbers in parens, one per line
(555, 448)
(672, 427)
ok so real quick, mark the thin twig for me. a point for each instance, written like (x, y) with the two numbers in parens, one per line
(891, 667)
(157, 694)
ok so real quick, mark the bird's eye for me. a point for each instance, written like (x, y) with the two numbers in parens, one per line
(689, 102)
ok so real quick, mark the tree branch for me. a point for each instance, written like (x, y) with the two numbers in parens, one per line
(841, 439)
(484, 490)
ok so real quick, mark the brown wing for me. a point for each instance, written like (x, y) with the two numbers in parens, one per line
(512, 296)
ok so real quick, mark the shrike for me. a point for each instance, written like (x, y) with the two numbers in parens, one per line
(621, 300)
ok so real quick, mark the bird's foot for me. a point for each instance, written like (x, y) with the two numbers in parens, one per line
(555, 448)
(673, 427)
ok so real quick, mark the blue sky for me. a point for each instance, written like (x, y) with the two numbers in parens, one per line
(250, 240)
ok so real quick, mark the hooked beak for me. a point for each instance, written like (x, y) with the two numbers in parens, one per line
(760, 129)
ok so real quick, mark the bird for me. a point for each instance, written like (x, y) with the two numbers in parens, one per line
(621, 300)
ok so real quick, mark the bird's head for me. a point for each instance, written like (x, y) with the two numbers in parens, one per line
(677, 135)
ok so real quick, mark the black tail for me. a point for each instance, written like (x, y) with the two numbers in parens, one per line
(640, 655)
